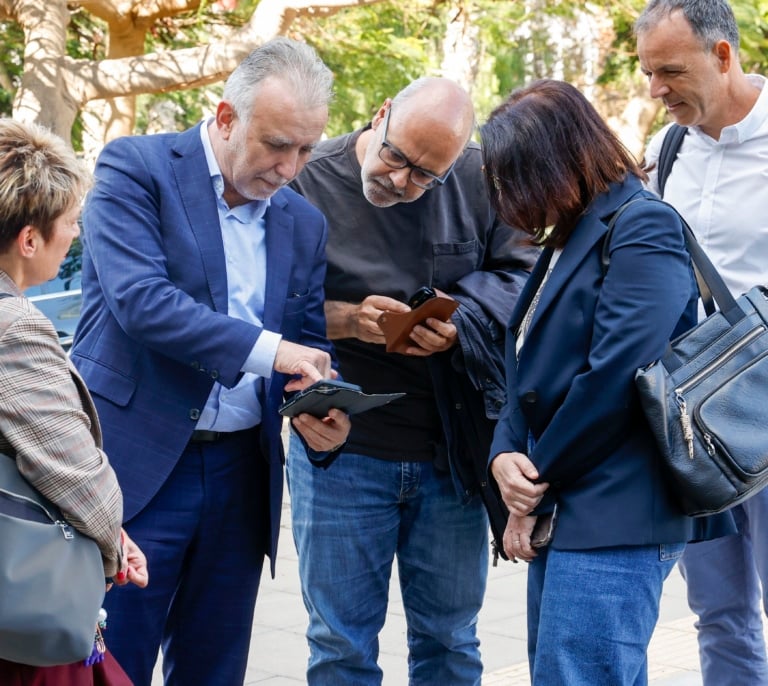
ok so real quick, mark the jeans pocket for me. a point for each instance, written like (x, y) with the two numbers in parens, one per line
(670, 551)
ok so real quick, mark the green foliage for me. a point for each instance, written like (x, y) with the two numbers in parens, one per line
(621, 63)
(498, 22)
(376, 50)
(11, 64)
(86, 36)
(751, 16)
(373, 52)
(182, 109)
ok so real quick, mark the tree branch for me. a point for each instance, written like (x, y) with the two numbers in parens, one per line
(162, 72)
(141, 11)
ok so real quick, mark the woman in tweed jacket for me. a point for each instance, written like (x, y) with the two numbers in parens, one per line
(47, 419)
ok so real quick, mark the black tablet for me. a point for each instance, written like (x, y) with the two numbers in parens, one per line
(323, 395)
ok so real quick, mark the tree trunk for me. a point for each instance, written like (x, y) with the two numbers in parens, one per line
(45, 95)
(460, 46)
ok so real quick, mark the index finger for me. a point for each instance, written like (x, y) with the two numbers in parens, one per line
(308, 374)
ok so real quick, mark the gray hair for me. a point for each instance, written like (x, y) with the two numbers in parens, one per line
(711, 20)
(294, 62)
(413, 88)
(40, 179)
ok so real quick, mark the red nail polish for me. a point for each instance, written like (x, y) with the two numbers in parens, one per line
(120, 576)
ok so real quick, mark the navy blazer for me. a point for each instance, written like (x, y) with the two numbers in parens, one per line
(154, 334)
(572, 388)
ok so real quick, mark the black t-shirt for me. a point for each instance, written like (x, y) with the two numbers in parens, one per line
(393, 251)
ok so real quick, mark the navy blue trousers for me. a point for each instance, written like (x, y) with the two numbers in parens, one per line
(205, 537)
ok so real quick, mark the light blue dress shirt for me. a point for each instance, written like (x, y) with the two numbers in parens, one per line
(243, 232)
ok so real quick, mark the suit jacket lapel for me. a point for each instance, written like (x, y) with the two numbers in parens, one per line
(529, 290)
(587, 233)
(279, 236)
(199, 202)
(590, 230)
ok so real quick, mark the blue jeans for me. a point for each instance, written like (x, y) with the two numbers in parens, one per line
(724, 578)
(591, 613)
(349, 523)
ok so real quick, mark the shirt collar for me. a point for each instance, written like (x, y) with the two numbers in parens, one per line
(247, 213)
(751, 124)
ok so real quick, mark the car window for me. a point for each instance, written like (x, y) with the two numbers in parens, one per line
(59, 299)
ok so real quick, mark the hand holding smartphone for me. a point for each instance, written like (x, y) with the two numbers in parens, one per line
(543, 529)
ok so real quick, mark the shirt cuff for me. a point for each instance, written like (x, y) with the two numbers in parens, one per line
(261, 359)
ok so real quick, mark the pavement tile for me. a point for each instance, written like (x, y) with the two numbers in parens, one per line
(279, 651)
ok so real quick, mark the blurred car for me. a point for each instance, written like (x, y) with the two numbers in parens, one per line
(59, 299)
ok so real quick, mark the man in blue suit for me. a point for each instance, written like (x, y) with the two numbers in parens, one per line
(202, 304)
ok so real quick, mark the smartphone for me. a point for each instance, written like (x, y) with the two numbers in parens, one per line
(421, 296)
(543, 529)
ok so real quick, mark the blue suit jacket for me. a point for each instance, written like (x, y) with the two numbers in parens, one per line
(154, 333)
(573, 387)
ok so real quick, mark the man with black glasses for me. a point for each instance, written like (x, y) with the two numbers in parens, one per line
(407, 209)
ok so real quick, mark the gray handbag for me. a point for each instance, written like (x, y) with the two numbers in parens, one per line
(51, 578)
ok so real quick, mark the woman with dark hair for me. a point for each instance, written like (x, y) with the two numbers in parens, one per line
(572, 451)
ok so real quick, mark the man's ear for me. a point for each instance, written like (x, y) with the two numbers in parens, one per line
(225, 116)
(724, 53)
(380, 114)
(28, 241)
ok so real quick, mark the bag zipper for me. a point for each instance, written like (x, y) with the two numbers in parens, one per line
(685, 420)
(65, 527)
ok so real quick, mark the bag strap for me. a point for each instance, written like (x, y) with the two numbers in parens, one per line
(707, 277)
(668, 153)
(667, 156)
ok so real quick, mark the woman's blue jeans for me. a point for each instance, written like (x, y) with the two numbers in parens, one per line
(591, 613)
(349, 523)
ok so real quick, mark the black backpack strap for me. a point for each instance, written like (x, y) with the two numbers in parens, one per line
(667, 155)
(669, 147)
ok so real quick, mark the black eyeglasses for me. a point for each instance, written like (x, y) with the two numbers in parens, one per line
(394, 159)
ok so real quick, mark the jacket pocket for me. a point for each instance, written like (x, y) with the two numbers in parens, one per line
(451, 261)
(105, 381)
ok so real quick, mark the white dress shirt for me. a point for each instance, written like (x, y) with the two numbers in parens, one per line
(720, 187)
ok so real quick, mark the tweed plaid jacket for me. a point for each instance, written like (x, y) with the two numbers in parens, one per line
(49, 423)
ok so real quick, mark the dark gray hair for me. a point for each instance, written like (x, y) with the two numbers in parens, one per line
(711, 20)
(294, 62)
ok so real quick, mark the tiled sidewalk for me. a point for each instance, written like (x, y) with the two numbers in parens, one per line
(279, 652)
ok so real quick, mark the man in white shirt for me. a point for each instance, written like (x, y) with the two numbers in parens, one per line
(688, 49)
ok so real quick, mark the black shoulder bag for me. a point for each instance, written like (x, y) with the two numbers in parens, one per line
(705, 398)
